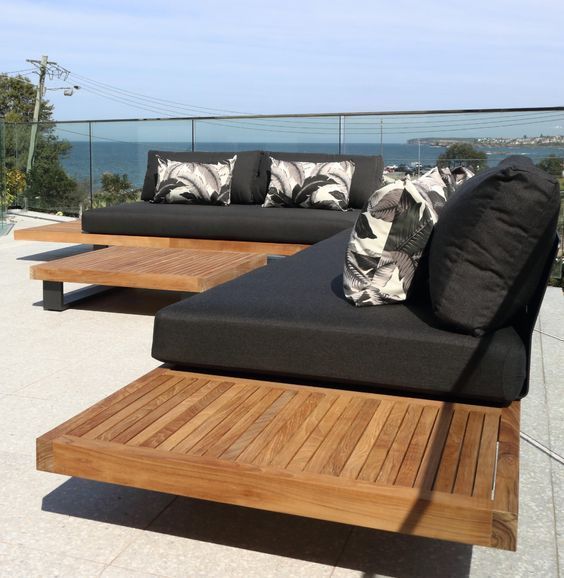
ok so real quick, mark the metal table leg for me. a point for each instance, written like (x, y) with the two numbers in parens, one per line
(53, 298)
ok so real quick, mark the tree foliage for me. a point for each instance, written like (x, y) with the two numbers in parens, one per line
(48, 185)
(17, 100)
(114, 183)
(115, 189)
(552, 165)
(463, 154)
(14, 185)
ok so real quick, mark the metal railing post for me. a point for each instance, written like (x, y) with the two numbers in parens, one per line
(90, 164)
(2, 167)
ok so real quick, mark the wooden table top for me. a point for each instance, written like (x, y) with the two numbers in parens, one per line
(400, 464)
(168, 269)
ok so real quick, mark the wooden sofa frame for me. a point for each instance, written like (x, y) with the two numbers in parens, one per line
(408, 465)
(70, 232)
(415, 466)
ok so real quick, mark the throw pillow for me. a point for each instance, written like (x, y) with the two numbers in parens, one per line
(309, 185)
(490, 247)
(248, 183)
(367, 177)
(194, 183)
(389, 237)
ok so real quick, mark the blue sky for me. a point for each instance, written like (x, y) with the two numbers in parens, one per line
(290, 56)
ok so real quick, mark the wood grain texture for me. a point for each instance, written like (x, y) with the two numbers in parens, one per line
(393, 463)
(167, 269)
(506, 491)
(70, 232)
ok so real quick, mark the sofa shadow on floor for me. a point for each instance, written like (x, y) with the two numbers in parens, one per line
(54, 254)
(370, 552)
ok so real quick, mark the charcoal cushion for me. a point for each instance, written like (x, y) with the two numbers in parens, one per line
(249, 180)
(367, 177)
(490, 245)
(234, 222)
(291, 320)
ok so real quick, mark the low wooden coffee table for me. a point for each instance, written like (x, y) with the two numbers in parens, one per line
(415, 466)
(168, 269)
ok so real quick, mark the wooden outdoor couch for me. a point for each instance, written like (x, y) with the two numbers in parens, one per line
(278, 394)
(243, 226)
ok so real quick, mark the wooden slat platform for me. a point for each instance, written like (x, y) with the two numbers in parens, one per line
(427, 468)
(70, 232)
(167, 269)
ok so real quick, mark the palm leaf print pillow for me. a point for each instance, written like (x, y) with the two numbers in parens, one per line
(310, 185)
(390, 235)
(194, 183)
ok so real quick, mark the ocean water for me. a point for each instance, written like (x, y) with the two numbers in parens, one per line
(130, 158)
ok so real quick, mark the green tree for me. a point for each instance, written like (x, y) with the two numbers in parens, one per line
(463, 154)
(115, 189)
(552, 165)
(113, 183)
(48, 186)
(14, 184)
(17, 100)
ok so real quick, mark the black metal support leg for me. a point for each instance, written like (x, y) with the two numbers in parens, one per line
(53, 298)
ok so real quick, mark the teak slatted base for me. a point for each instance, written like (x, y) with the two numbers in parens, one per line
(427, 468)
(70, 232)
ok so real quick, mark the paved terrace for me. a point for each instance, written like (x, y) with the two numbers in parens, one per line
(53, 365)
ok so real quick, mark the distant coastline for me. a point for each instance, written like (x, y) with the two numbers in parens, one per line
(535, 141)
(130, 158)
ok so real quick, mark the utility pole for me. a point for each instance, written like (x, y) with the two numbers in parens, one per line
(52, 70)
(38, 96)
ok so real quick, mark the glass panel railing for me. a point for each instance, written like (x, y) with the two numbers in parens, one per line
(3, 192)
(81, 164)
(414, 142)
(16, 150)
(119, 155)
(63, 170)
(294, 134)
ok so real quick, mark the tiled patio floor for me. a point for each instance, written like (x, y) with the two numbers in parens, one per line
(54, 364)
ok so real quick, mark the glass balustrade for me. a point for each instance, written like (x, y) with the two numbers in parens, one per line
(78, 165)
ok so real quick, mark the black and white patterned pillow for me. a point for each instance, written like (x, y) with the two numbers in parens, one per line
(194, 183)
(309, 185)
(390, 235)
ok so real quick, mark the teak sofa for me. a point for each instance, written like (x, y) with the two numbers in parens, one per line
(277, 393)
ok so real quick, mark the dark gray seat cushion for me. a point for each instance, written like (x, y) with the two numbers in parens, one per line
(249, 179)
(367, 176)
(490, 245)
(290, 319)
(234, 222)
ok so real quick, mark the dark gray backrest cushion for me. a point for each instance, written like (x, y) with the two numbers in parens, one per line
(249, 174)
(491, 244)
(367, 175)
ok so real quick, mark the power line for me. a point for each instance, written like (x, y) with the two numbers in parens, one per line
(129, 102)
(171, 108)
(418, 124)
(320, 127)
(25, 71)
(139, 96)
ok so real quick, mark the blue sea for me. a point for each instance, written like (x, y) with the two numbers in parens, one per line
(131, 158)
